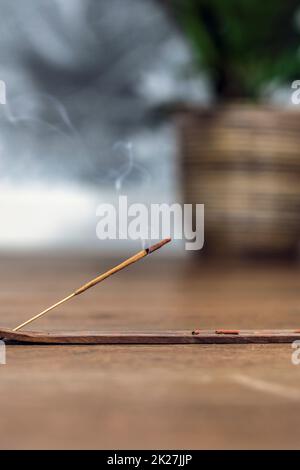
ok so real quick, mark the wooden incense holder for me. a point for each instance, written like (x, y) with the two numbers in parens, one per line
(163, 337)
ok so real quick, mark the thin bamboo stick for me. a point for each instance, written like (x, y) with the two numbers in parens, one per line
(133, 259)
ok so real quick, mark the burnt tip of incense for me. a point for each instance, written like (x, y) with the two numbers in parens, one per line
(158, 245)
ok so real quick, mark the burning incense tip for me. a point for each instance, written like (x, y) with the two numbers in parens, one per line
(158, 245)
(98, 279)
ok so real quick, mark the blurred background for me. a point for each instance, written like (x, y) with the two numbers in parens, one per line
(164, 101)
(186, 101)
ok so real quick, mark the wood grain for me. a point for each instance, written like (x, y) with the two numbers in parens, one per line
(155, 337)
(144, 396)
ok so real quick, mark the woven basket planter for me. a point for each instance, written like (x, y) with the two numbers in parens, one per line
(243, 163)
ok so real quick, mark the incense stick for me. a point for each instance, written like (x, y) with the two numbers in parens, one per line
(98, 279)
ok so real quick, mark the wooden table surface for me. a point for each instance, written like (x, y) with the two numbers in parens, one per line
(188, 396)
